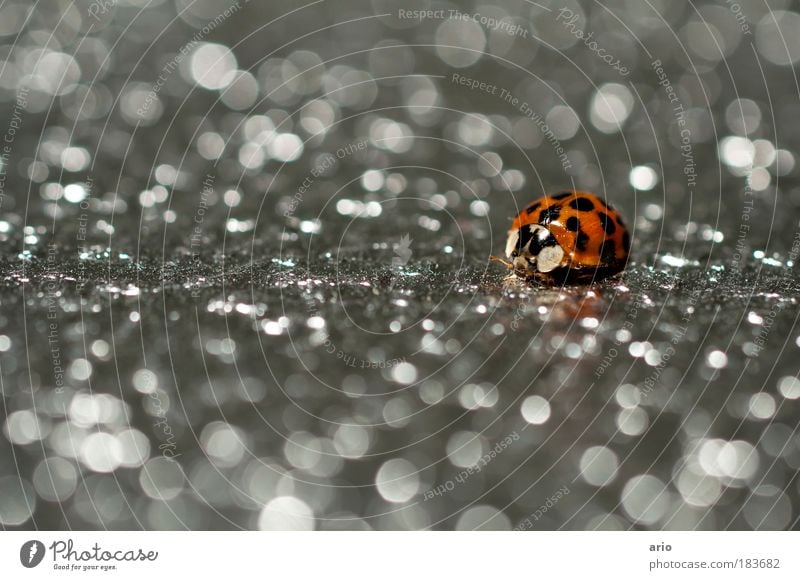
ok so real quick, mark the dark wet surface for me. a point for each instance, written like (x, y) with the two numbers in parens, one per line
(268, 306)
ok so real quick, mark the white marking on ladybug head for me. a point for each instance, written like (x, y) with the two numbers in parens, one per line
(511, 242)
(541, 232)
(549, 258)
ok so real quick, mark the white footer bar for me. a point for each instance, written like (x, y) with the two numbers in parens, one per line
(400, 555)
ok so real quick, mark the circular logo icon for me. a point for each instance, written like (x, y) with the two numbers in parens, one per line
(31, 553)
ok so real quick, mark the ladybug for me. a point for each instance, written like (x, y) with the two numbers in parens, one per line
(572, 236)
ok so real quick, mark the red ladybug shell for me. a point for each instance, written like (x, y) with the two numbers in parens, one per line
(591, 232)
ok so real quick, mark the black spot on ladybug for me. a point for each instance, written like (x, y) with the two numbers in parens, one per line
(563, 195)
(608, 251)
(607, 222)
(581, 241)
(582, 204)
(605, 203)
(573, 224)
(550, 214)
(532, 208)
(626, 241)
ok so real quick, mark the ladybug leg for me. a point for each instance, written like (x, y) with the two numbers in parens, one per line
(507, 264)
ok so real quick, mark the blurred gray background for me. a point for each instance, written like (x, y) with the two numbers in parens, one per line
(245, 280)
